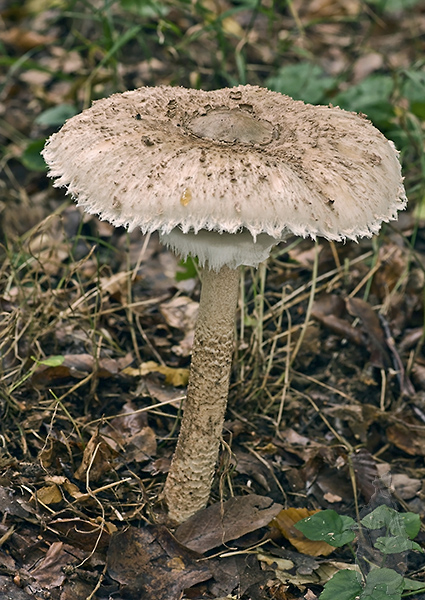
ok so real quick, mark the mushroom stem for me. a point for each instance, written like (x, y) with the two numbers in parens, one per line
(189, 480)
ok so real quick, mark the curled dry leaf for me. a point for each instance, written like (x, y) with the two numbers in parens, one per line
(131, 432)
(97, 459)
(49, 573)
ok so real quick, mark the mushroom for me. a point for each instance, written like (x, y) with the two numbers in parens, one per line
(224, 176)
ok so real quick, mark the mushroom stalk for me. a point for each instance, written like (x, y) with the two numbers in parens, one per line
(189, 480)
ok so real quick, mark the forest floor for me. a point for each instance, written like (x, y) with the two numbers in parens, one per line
(327, 398)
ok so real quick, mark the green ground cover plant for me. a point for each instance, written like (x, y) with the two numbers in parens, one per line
(378, 582)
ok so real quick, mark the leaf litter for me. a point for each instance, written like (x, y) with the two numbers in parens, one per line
(96, 328)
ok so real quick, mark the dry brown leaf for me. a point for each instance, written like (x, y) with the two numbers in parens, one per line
(77, 366)
(409, 436)
(285, 522)
(180, 312)
(379, 356)
(97, 459)
(150, 563)
(50, 572)
(49, 494)
(406, 487)
(365, 469)
(86, 534)
(221, 522)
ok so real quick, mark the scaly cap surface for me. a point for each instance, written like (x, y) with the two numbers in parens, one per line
(228, 160)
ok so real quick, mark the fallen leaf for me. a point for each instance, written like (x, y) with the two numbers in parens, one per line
(406, 487)
(180, 312)
(366, 472)
(49, 494)
(83, 533)
(49, 573)
(409, 436)
(285, 522)
(75, 366)
(97, 459)
(221, 522)
(131, 432)
(150, 563)
(173, 376)
(379, 356)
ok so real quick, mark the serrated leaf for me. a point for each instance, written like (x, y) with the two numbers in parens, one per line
(328, 526)
(344, 585)
(383, 584)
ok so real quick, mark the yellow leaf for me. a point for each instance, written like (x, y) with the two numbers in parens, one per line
(173, 376)
(49, 494)
(285, 522)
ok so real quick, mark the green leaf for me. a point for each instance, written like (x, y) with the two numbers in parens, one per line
(393, 5)
(328, 526)
(148, 9)
(372, 96)
(395, 544)
(414, 85)
(31, 157)
(412, 584)
(412, 523)
(188, 269)
(383, 584)
(418, 109)
(51, 361)
(57, 115)
(384, 516)
(303, 81)
(344, 585)
(399, 524)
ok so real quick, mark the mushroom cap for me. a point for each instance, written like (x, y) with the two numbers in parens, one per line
(230, 160)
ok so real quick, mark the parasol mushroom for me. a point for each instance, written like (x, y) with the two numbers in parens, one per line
(224, 176)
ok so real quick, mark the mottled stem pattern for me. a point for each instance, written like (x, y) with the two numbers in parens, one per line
(188, 484)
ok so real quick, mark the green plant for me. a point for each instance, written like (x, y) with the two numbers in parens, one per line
(376, 582)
